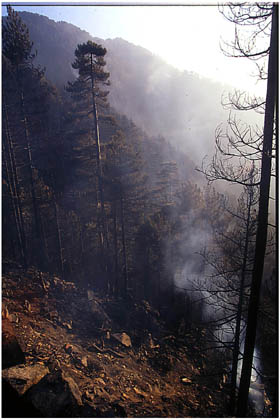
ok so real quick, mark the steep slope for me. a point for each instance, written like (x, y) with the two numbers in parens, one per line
(163, 100)
(54, 44)
(157, 97)
(75, 365)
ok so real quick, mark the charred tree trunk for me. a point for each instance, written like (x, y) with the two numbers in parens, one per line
(38, 228)
(59, 241)
(236, 347)
(116, 285)
(124, 249)
(11, 168)
(44, 240)
(261, 237)
(12, 219)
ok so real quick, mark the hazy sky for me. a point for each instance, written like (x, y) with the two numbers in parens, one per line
(185, 36)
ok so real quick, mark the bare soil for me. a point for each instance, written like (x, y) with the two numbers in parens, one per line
(160, 375)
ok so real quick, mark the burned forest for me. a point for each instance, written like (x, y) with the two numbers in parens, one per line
(139, 226)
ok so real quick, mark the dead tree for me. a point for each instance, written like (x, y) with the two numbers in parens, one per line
(261, 237)
(242, 146)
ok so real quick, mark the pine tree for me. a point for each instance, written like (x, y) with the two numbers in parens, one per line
(22, 92)
(87, 88)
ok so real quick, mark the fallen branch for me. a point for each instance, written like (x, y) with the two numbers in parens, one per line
(108, 350)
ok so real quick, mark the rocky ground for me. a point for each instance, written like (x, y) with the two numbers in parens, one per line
(70, 353)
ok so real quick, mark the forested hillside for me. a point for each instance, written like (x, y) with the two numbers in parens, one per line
(121, 253)
(160, 99)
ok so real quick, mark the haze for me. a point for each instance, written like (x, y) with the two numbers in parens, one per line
(186, 37)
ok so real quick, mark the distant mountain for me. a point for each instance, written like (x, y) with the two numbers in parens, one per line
(180, 106)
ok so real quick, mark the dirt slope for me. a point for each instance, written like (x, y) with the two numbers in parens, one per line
(119, 357)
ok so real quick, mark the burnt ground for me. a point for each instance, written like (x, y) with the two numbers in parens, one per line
(148, 372)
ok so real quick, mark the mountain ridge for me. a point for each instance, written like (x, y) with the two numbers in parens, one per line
(159, 98)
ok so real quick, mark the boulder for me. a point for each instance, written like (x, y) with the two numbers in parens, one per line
(12, 353)
(56, 395)
(22, 377)
(123, 338)
(14, 406)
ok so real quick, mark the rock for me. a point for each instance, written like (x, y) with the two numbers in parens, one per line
(12, 353)
(13, 318)
(5, 312)
(80, 360)
(14, 406)
(67, 325)
(27, 305)
(151, 342)
(84, 361)
(22, 377)
(77, 357)
(70, 348)
(186, 380)
(56, 395)
(123, 338)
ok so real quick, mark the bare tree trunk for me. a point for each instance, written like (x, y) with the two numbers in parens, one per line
(236, 348)
(116, 286)
(124, 248)
(100, 197)
(44, 240)
(38, 227)
(261, 237)
(159, 291)
(58, 230)
(17, 243)
(14, 184)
